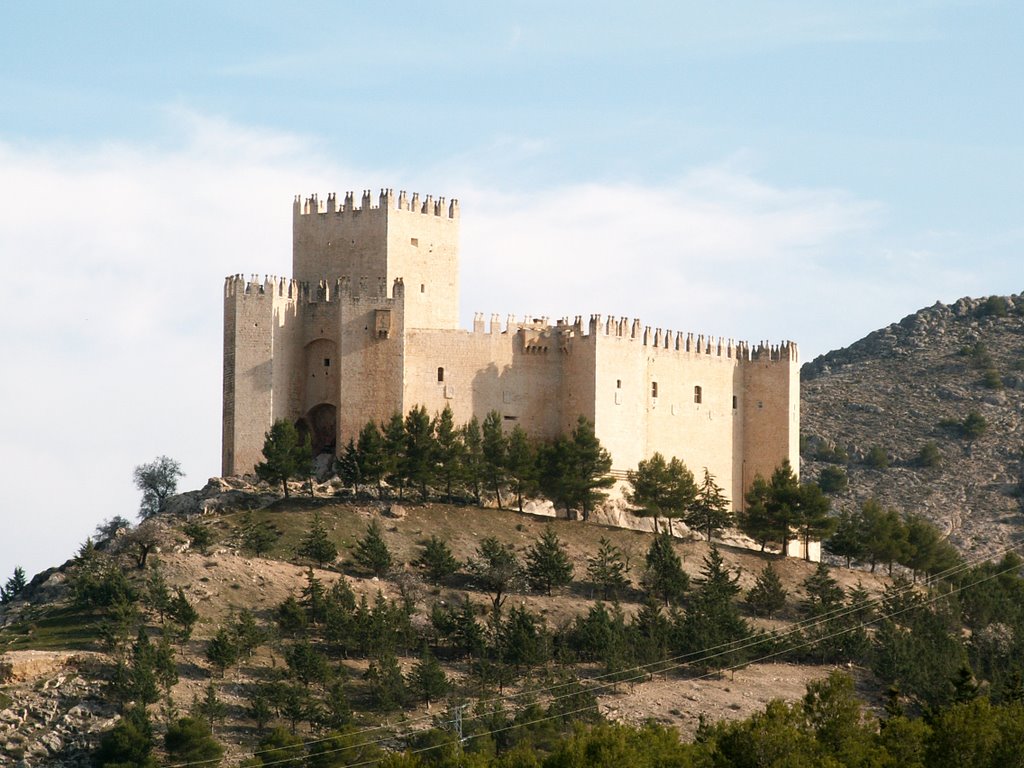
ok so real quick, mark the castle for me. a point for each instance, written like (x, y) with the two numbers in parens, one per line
(368, 325)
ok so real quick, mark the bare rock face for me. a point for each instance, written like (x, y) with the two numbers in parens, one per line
(53, 712)
(911, 384)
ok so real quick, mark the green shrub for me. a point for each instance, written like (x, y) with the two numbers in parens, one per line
(991, 379)
(929, 455)
(833, 480)
(993, 306)
(877, 458)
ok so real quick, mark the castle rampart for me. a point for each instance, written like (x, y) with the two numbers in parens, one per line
(367, 326)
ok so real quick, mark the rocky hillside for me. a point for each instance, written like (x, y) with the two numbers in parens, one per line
(914, 385)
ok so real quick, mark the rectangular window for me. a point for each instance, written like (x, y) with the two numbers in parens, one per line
(440, 375)
(327, 362)
(698, 395)
(735, 400)
(654, 389)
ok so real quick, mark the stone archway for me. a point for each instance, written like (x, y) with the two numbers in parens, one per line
(321, 422)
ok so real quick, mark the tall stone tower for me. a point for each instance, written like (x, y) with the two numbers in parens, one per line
(325, 349)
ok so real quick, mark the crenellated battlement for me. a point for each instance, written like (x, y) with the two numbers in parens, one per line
(647, 336)
(427, 205)
(324, 291)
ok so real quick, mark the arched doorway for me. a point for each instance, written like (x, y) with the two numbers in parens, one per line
(322, 425)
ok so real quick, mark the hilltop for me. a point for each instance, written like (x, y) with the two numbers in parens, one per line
(910, 384)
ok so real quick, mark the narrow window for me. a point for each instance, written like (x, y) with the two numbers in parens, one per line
(511, 418)
(440, 375)
(423, 288)
(327, 362)
(698, 396)
(734, 401)
(618, 383)
(654, 389)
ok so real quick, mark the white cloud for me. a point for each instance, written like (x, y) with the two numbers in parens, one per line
(116, 254)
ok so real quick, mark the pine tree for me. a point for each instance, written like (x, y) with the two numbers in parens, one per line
(450, 451)
(419, 455)
(712, 619)
(372, 553)
(822, 593)
(393, 447)
(521, 464)
(286, 455)
(189, 740)
(521, 639)
(427, 678)
(708, 512)
(591, 464)
(184, 614)
(649, 482)
(767, 595)
(665, 577)
(547, 564)
(129, 742)
(812, 521)
(473, 467)
(210, 707)
(385, 683)
(373, 464)
(258, 537)
(436, 559)
(496, 570)
(222, 650)
(247, 633)
(495, 449)
(14, 586)
(608, 570)
(346, 465)
(847, 541)
(314, 598)
(317, 545)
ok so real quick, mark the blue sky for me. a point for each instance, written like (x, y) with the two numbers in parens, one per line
(761, 170)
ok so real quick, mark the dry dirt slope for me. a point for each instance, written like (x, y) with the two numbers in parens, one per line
(893, 389)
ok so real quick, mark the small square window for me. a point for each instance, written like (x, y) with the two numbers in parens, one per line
(327, 362)
(415, 241)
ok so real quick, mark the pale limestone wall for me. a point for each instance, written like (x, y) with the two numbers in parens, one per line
(371, 365)
(258, 367)
(633, 422)
(518, 372)
(411, 239)
(336, 346)
(772, 419)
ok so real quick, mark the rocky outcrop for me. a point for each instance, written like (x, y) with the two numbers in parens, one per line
(51, 709)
